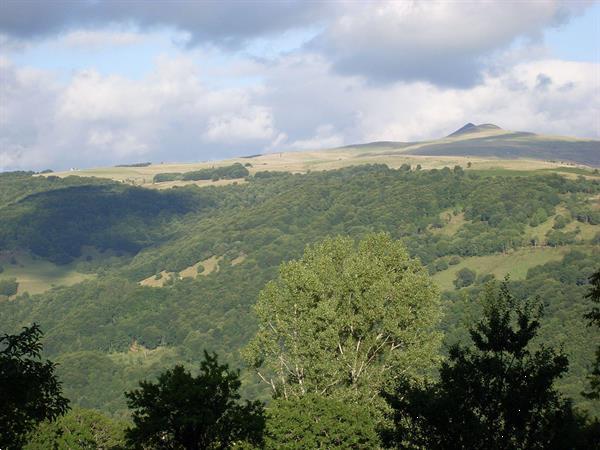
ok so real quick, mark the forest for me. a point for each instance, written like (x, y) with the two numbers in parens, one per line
(141, 314)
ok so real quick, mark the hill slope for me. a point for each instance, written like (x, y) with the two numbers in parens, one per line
(115, 328)
(489, 140)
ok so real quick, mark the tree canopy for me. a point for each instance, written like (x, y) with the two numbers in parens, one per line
(594, 318)
(346, 319)
(181, 411)
(318, 422)
(29, 390)
(496, 394)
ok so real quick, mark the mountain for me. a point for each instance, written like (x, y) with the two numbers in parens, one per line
(472, 128)
(491, 141)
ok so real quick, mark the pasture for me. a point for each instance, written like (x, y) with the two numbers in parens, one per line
(515, 263)
(36, 275)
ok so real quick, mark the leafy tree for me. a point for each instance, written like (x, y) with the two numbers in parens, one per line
(318, 422)
(181, 411)
(464, 277)
(345, 320)
(594, 317)
(9, 287)
(497, 395)
(78, 429)
(29, 389)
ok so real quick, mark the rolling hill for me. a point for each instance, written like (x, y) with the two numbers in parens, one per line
(489, 140)
(126, 281)
(480, 147)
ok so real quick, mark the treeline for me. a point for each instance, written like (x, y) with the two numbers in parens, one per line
(347, 345)
(231, 172)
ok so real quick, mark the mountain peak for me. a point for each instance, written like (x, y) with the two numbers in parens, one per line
(472, 128)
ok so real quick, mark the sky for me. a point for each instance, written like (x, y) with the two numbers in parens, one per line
(87, 83)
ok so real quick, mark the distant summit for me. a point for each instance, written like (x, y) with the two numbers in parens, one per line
(472, 128)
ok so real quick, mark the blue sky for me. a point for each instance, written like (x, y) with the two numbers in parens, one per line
(578, 39)
(101, 83)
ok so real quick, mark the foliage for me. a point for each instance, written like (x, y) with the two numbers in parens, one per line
(167, 176)
(8, 286)
(231, 172)
(464, 277)
(91, 326)
(29, 389)
(17, 185)
(181, 411)
(498, 395)
(56, 224)
(346, 320)
(78, 430)
(318, 422)
(594, 318)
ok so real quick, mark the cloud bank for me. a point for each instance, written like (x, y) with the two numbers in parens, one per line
(366, 71)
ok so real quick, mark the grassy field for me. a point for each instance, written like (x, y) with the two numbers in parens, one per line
(301, 162)
(37, 275)
(203, 268)
(514, 263)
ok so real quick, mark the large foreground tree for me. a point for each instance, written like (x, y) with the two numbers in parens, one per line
(29, 390)
(79, 429)
(181, 411)
(345, 320)
(317, 422)
(496, 394)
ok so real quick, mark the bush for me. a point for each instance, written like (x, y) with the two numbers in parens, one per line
(454, 260)
(560, 222)
(168, 176)
(465, 277)
(217, 173)
(9, 286)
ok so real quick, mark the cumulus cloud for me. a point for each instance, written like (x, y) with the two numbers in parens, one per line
(172, 115)
(219, 23)
(381, 70)
(325, 137)
(447, 43)
(96, 119)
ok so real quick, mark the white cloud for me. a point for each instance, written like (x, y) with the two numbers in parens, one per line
(448, 43)
(325, 137)
(173, 115)
(255, 124)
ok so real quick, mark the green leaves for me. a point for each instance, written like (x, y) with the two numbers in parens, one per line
(345, 320)
(29, 390)
(202, 412)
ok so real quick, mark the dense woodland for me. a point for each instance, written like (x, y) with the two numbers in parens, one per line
(110, 332)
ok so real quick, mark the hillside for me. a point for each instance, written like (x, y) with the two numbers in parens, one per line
(168, 273)
(479, 147)
(489, 140)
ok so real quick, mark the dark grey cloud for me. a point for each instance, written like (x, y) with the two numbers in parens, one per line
(445, 43)
(441, 42)
(216, 22)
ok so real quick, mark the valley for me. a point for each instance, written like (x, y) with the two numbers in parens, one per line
(127, 280)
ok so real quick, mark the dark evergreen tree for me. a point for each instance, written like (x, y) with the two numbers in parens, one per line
(181, 411)
(29, 390)
(497, 394)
